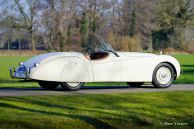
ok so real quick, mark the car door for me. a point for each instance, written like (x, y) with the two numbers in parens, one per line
(137, 69)
(107, 70)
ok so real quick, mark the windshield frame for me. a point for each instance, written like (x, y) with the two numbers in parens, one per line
(103, 45)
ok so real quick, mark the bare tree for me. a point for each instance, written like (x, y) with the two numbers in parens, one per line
(27, 12)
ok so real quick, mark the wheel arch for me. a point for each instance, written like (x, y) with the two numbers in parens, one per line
(166, 62)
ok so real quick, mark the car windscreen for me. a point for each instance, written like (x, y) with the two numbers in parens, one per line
(96, 44)
(99, 44)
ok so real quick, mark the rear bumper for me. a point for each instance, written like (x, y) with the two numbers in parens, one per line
(19, 74)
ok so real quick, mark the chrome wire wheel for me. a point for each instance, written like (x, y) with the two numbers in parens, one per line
(73, 84)
(163, 75)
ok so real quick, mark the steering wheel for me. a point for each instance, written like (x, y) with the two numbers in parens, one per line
(89, 50)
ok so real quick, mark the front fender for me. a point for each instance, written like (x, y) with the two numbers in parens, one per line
(77, 71)
(49, 70)
(63, 69)
(174, 62)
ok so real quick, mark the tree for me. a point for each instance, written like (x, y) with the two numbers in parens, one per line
(61, 26)
(48, 22)
(132, 29)
(172, 19)
(84, 29)
(28, 15)
(137, 20)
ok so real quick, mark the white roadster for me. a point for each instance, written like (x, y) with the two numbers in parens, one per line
(100, 63)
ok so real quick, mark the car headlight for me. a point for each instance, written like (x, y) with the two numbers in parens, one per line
(21, 63)
(36, 64)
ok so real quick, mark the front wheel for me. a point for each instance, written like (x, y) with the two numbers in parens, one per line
(72, 86)
(48, 85)
(163, 76)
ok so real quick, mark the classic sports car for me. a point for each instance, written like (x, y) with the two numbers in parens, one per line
(100, 63)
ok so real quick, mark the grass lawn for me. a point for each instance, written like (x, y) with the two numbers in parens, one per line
(187, 64)
(123, 111)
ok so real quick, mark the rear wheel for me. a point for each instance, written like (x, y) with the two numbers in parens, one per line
(163, 76)
(72, 86)
(135, 84)
(48, 85)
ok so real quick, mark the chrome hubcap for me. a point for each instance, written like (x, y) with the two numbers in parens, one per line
(73, 84)
(163, 75)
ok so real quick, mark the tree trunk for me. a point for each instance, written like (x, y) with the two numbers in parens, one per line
(61, 26)
(19, 45)
(8, 44)
(32, 41)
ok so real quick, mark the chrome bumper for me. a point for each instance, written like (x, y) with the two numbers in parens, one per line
(19, 74)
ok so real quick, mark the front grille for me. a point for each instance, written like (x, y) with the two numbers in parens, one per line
(21, 69)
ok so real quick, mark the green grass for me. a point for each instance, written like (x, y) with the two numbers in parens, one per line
(123, 111)
(187, 65)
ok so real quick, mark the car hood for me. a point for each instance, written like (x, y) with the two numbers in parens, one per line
(40, 58)
(135, 54)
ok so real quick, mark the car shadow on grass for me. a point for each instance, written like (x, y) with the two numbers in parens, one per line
(188, 71)
(113, 87)
(187, 65)
(83, 88)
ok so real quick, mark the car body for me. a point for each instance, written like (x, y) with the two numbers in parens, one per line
(99, 64)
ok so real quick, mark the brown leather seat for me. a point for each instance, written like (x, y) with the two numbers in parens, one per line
(98, 55)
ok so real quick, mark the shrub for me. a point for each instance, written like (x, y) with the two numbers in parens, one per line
(189, 47)
(125, 43)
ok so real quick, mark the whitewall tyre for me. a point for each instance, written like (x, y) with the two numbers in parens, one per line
(163, 76)
(48, 85)
(72, 86)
